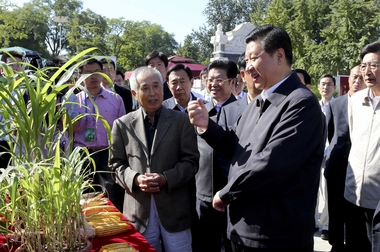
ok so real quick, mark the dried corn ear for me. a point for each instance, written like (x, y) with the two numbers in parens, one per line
(96, 209)
(116, 247)
(99, 202)
(110, 228)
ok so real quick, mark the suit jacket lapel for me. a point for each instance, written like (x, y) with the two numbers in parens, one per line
(162, 127)
(137, 123)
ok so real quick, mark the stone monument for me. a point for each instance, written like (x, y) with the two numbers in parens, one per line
(232, 44)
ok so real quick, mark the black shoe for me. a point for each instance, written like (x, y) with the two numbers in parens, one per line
(325, 235)
(316, 229)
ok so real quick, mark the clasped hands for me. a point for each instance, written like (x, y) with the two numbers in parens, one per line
(150, 182)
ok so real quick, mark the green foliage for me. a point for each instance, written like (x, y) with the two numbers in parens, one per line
(9, 24)
(139, 39)
(327, 35)
(189, 49)
(87, 30)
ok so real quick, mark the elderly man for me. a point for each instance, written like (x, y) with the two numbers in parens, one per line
(362, 188)
(154, 156)
(336, 163)
(276, 151)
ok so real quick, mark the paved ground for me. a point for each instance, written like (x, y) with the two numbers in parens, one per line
(319, 244)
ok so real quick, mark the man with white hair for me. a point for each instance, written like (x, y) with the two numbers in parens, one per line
(155, 156)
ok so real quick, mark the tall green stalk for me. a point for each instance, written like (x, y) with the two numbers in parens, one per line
(40, 190)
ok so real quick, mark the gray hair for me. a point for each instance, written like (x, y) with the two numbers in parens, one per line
(133, 80)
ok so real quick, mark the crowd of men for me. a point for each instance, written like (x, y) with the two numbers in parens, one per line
(236, 169)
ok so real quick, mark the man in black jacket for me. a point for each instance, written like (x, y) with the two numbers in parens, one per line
(125, 94)
(276, 152)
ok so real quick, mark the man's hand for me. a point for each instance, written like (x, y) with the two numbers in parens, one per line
(198, 114)
(218, 204)
(150, 182)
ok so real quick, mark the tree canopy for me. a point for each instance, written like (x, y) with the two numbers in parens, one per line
(327, 35)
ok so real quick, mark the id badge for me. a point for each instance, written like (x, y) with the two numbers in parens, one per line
(89, 135)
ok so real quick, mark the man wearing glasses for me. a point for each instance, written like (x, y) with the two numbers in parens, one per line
(362, 189)
(213, 167)
(326, 88)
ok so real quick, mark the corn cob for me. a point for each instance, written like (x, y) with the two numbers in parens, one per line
(121, 250)
(99, 202)
(116, 247)
(100, 219)
(111, 214)
(96, 209)
(110, 228)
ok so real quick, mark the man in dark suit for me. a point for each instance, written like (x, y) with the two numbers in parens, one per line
(276, 151)
(179, 78)
(230, 114)
(213, 166)
(109, 69)
(336, 165)
(180, 81)
(154, 156)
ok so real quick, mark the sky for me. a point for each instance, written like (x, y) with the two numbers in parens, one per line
(176, 17)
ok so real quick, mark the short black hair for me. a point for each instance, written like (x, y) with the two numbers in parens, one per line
(88, 60)
(56, 61)
(370, 48)
(120, 73)
(228, 65)
(327, 76)
(241, 62)
(178, 67)
(10, 54)
(305, 74)
(156, 54)
(203, 72)
(108, 61)
(272, 38)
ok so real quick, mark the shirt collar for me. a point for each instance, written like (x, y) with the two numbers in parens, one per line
(265, 94)
(217, 107)
(156, 115)
(179, 106)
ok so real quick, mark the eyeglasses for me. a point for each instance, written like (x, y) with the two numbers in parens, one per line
(326, 84)
(372, 65)
(217, 81)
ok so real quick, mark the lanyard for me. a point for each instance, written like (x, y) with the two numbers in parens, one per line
(85, 104)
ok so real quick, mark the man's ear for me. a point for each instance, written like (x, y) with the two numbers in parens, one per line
(242, 74)
(133, 93)
(280, 54)
(233, 82)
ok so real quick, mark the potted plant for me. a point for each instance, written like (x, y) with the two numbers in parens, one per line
(40, 190)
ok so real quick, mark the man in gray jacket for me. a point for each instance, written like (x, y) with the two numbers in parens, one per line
(154, 156)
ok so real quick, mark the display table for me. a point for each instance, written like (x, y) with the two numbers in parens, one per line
(132, 237)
